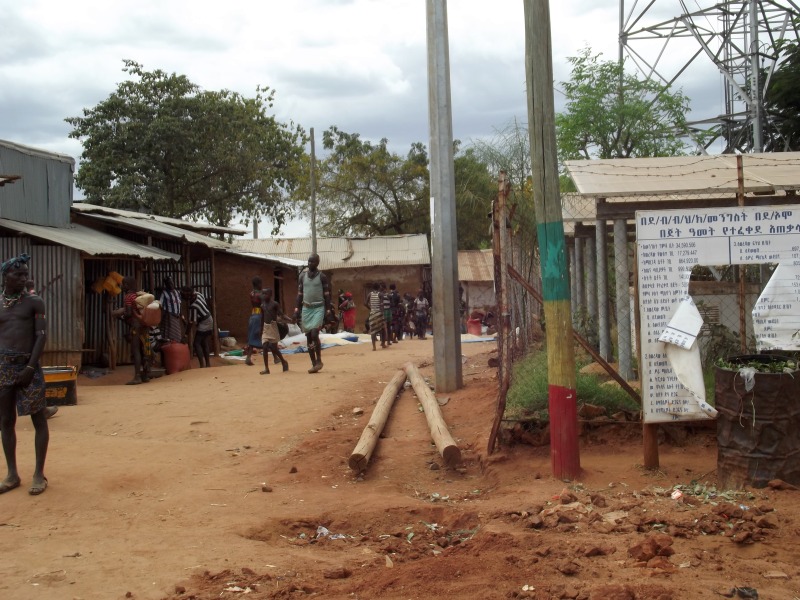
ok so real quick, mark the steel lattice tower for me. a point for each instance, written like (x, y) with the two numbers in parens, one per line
(739, 37)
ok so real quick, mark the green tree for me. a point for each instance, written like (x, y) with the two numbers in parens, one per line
(475, 189)
(365, 189)
(160, 144)
(782, 102)
(612, 114)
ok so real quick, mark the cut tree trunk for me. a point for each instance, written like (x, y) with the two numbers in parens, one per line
(369, 437)
(439, 431)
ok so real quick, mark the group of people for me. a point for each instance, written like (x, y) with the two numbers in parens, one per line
(23, 328)
(391, 316)
(148, 340)
(312, 311)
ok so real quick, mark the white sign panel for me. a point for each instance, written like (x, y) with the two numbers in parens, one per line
(670, 243)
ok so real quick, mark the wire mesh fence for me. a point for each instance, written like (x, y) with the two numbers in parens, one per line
(611, 299)
(605, 288)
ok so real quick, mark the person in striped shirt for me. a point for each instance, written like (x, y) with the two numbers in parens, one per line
(171, 319)
(200, 316)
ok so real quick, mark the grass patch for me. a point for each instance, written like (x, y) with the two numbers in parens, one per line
(528, 393)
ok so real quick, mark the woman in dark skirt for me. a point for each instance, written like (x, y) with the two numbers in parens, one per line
(254, 324)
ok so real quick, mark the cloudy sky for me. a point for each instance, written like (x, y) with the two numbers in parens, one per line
(356, 64)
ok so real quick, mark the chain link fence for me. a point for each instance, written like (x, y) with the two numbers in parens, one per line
(601, 240)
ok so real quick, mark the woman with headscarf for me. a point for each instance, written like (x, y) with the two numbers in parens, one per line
(347, 309)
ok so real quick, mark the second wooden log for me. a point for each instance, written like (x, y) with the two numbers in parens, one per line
(439, 431)
(369, 437)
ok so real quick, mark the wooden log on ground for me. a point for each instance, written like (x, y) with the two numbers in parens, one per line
(369, 437)
(439, 431)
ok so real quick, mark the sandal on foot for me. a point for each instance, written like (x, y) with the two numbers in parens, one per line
(285, 366)
(38, 488)
(264, 372)
(7, 487)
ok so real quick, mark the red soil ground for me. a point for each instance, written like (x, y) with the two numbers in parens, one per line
(215, 483)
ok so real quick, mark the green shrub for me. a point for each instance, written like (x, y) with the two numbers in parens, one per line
(528, 392)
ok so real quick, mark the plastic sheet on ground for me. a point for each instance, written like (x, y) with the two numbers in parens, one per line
(298, 343)
(467, 338)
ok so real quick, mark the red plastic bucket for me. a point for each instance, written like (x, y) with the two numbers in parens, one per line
(474, 327)
(176, 357)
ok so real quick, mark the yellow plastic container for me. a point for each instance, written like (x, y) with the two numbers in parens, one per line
(61, 385)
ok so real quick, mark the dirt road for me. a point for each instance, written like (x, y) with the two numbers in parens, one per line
(158, 491)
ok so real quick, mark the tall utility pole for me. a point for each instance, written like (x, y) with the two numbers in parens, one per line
(313, 195)
(444, 249)
(564, 452)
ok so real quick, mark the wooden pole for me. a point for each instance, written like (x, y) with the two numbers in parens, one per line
(441, 435)
(313, 195)
(740, 270)
(111, 332)
(564, 451)
(215, 331)
(380, 414)
(499, 222)
(649, 430)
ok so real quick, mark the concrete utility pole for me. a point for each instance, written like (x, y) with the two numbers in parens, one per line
(313, 195)
(444, 249)
(564, 451)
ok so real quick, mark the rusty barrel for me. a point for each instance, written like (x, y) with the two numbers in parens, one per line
(758, 431)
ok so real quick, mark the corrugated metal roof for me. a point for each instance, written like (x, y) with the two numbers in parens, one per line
(89, 240)
(163, 229)
(475, 265)
(38, 152)
(347, 253)
(84, 208)
(289, 262)
(763, 173)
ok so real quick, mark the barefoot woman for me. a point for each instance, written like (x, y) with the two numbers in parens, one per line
(313, 305)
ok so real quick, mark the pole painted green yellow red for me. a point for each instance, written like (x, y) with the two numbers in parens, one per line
(562, 397)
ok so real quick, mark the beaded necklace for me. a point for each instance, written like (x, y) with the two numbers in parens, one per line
(10, 300)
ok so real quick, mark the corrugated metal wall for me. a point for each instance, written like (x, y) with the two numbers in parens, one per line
(57, 274)
(201, 278)
(98, 307)
(44, 194)
(163, 268)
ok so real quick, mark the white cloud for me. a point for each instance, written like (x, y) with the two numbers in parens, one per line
(356, 64)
